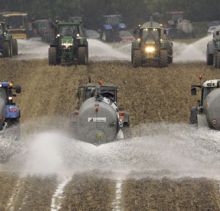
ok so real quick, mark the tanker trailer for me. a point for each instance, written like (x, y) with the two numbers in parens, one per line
(207, 111)
(98, 119)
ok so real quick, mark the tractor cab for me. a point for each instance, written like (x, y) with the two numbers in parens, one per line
(206, 88)
(97, 90)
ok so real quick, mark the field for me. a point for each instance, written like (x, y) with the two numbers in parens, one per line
(150, 95)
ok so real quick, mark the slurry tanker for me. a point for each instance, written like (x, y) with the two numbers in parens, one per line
(207, 111)
(98, 118)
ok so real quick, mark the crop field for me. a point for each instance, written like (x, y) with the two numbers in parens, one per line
(165, 165)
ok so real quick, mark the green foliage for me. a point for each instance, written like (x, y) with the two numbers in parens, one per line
(134, 12)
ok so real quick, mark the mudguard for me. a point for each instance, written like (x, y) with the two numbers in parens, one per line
(12, 112)
(107, 27)
(83, 41)
(135, 45)
(211, 48)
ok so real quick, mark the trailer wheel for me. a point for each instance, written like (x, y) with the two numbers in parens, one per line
(83, 55)
(7, 49)
(163, 62)
(136, 58)
(52, 56)
(15, 47)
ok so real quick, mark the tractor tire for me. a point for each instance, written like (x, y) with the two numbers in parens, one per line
(163, 62)
(83, 55)
(136, 58)
(52, 56)
(217, 60)
(209, 59)
(193, 116)
(170, 59)
(14, 47)
(7, 49)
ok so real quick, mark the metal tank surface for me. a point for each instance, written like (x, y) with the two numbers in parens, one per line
(98, 121)
(97, 118)
(212, 109)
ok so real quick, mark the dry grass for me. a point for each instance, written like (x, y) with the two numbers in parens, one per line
(149, 94)
(88, 192)
(181, 195)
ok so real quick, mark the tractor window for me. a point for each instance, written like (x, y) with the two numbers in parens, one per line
(90, 92)
(113, 20)
(16, 22)
(110, 94)
(69, 31)
(149, 34)
(205, 93)
(3, 94)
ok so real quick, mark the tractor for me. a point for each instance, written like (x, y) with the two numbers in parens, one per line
(207, 111)
(8, 45)
(111, 27)
(70, 45)
(213, 49)
(151, 46)
(97, 118)
(9, 111)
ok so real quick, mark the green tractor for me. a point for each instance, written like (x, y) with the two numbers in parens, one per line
(151, 46)
(8, 45)
(70, 45)
(213, 49)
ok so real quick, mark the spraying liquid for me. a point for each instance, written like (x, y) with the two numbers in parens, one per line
(158, 150)
(195, 52)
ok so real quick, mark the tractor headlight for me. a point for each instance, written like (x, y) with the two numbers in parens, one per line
(150, 49)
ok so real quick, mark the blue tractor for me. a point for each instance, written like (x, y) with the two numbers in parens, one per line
(9, 111)
(112, 25)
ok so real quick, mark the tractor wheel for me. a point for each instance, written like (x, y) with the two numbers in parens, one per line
(52, 56)
(193, 116)
(209, 59)
(83, 55)
(136, 58)
(163, 58)
(7, 49)
(170, 59)
(15, 47)
(217, 60)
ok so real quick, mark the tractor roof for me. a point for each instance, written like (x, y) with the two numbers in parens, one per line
(151, 24)
(212, 83)
(70, 23)
(11, 14)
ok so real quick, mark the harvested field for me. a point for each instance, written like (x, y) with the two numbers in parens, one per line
(95, 193)
(166, 194)
(150, 95)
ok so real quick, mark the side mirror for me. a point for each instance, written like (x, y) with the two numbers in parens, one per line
(193, 91)
(18, 89)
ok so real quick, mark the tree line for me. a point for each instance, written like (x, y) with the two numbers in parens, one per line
(133, 11)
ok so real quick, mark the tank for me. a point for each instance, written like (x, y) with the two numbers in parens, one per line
(98, 121)
(212, 109)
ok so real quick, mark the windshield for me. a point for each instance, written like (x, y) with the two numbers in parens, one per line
(113, 20)
(205, 93)
(16, 22)
(3, 94)
(69, 31)
(149, 34)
